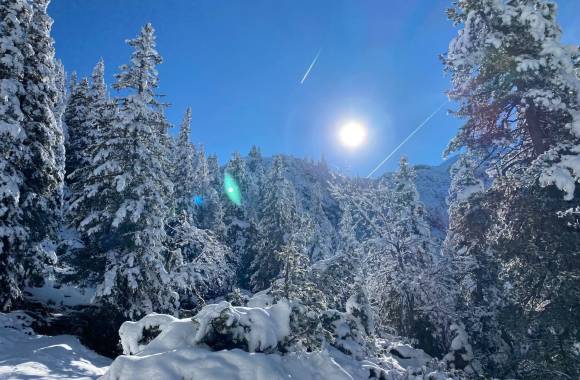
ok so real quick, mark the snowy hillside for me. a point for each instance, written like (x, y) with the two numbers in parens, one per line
(432, 184)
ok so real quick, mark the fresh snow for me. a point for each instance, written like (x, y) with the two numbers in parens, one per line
(198, 363)
(181, 350)
(25, 355)
(52, 293)
(178, 354)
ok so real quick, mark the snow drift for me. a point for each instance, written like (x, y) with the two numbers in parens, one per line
(242, 343)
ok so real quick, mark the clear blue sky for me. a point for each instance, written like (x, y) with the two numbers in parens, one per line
(238, 64)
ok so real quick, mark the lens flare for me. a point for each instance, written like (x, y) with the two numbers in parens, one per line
(232, 189)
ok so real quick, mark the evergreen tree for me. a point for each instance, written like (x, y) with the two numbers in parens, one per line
(98, 84)
(236, 219)
(135, 164)
(87, 209)
(201, 186)
(517, 89)
(14, 18)
(184, 173)
(43, 148)
(62, 96)
(475, 268)
(256, 180)
(398, 261)
(202, 174)
(212, 217)
(277, 224)
(519, 95)
(76, 118)
(215, 173)
(200, 266)
(322, 229)
(341, 276)
(399, 253)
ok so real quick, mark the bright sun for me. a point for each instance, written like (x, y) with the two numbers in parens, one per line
(352, 134)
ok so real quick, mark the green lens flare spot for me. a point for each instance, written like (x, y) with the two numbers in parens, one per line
(232, 189)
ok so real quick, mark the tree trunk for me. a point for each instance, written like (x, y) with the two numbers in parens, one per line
(534, 129)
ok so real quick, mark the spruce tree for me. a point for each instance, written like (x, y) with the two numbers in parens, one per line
(212, 217)
(323, 231)
(341, 275)
(279, 220)
(184, 173)
(256, 180)
(60, 84)
(135, 164)
(76, 118)
(43, 146)
(87, 208)
(14, 235)
(236, 219)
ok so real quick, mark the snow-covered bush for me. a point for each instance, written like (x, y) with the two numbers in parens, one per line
(460, 354)
(136, 335)
(253, 342)
(200, 265)
(252, 329)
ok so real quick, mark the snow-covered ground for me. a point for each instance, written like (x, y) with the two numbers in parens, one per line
(183, 350)
(25, 355)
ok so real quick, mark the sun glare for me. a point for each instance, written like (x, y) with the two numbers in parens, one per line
(352, 134)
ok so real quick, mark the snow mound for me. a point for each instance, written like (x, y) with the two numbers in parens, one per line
(198, 363)
(243, 343)
(256, 329)
(182, 348)
(24, 355)
(132, 333)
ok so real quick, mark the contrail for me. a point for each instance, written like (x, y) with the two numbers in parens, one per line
(310, 68)
(407, 139)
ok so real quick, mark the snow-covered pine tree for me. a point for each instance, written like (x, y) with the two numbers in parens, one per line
(62, 96)
(517, 89)
(398, 260)
(323, 232)
(280, 218)
(87, 207)
(212, 217)
(200, 265)
(14, 18)
(98, 84)
(43, 153)
(519, 94)
(474, 267)
(248, 236)
(184, 170)
(255, 164)
(201, 185)
(76, 118)
(236, 168)
(72, 83)
(201, 174)
(212, 213)
(341, 275)
(399, 253)
(134, 165)
(236, 220)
